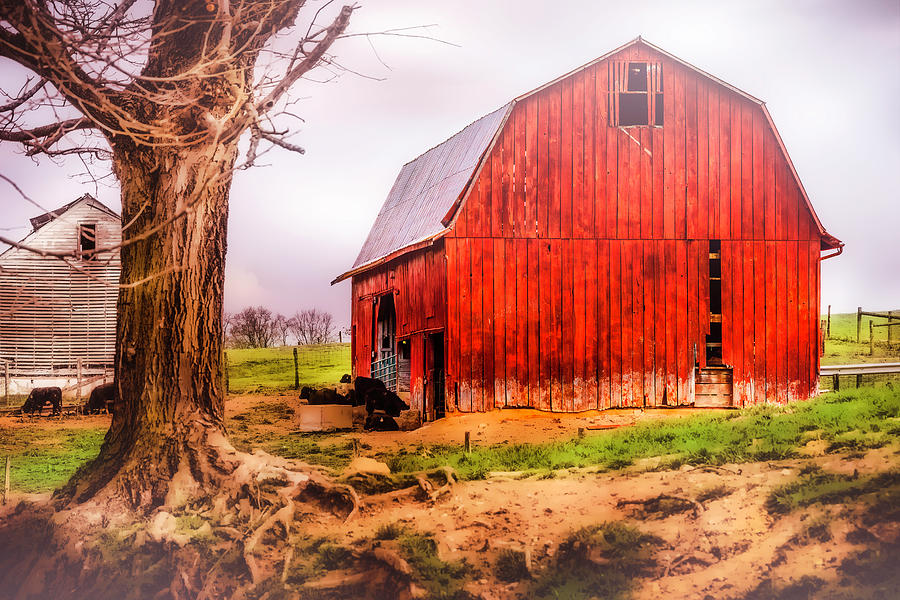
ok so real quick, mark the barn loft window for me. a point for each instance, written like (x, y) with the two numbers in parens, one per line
(87, 240)
(635, 94)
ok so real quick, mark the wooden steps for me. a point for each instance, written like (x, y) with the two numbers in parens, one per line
(713, 386)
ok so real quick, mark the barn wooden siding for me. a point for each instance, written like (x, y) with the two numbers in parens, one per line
(577, 277)
(52, 314)
(418, 285)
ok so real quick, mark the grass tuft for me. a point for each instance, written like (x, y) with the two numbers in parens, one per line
(390, 531)
(510, 565)
(443, 580)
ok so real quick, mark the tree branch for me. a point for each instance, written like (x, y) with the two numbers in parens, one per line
(23, 97)
(332, 33)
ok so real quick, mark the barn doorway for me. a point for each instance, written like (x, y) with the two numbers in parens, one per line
(713, 383)
(435, 406)
(384, 342)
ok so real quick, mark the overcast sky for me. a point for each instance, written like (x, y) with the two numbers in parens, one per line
(828, 71)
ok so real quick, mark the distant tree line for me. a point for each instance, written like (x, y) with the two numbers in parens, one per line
(259, 327)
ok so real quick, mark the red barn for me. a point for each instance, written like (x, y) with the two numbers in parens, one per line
(632, 233)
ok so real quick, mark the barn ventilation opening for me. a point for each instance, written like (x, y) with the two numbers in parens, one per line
(714, 339)
(713, 382)
(87, 240)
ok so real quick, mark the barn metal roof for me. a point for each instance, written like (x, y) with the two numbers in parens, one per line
(430, 189)
(41, 220)
(426, 189)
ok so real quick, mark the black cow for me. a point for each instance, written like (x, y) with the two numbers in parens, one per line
(323, 396)
(103, 398)
(382, 405)
(381, 423)
(385, 401)
(41, 396)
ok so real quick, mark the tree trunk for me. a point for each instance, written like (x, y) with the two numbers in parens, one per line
(169, 420)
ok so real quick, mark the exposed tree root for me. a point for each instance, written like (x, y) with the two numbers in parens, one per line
(657, 504)
(107, 525)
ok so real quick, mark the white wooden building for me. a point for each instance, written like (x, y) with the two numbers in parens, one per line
(55, 311)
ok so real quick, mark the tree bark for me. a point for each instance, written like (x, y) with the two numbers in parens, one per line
(170, 413)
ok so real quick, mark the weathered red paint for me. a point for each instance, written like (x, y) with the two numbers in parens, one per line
(574, 273)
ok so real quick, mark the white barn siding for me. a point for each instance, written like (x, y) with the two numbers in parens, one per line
(53, 313)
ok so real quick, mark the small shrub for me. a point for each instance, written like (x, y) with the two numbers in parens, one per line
(510, 565)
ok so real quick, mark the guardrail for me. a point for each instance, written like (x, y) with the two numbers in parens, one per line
(835, 371)
(863, 369)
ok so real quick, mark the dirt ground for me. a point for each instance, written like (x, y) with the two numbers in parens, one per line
(723, 547)
(495, 427)
(721, 551)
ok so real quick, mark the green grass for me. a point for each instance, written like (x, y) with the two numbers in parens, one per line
(821, 487)
(863, 418)
(43, 459)
(853, 420)
(262, 370)
(842, 348)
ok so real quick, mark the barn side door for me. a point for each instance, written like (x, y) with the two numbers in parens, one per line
(434, 406)
(384, 342)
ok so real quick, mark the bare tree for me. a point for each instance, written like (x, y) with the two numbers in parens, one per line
(253, 327)
(313, 326)
(164, 90)
(282, 327)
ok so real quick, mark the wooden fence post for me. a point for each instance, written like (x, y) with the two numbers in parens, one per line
(78, 389)
(871, 339)
(467, 442)
(836, 383)
(858, 380)
(828, 327)
(858, 321)
(890, 318)
(296, 370)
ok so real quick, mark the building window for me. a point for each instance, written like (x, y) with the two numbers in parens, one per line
(635, 94)
(87, 241)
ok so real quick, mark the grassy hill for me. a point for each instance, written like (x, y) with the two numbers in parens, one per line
(843, 327)
(272, 369)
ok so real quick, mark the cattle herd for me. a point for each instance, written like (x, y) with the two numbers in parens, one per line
(102, 399)
(382, 405)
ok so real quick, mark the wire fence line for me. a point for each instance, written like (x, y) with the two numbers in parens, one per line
(261, 370)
